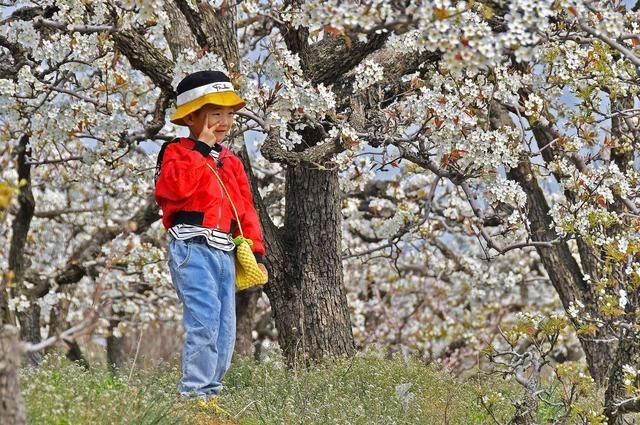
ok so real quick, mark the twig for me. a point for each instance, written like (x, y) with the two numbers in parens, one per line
(237, 415)
(136, 356)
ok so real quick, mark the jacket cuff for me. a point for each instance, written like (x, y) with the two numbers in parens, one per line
(202, 147)
(259, 258)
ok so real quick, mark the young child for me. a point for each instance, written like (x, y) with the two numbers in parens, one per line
(201, 223)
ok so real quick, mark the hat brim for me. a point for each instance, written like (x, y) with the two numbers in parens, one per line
(228, 98)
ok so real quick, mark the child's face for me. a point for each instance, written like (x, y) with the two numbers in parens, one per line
(212, 115)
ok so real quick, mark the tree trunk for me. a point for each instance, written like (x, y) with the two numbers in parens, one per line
(116, 352)
(525, 410)
(29, 318)
(562, 268)
(75, 354)
(563, 271)
(615, 387)
(30, 331)
(12, 410)
(246, 302)
(627, 352)
(308, 300)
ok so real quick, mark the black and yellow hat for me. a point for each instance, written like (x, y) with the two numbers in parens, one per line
(201, 88)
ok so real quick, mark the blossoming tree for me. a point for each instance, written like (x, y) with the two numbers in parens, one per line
(405, 143)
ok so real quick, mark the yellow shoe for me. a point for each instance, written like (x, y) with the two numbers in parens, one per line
(212, 405)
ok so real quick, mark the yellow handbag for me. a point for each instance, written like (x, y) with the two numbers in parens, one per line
(248, 274)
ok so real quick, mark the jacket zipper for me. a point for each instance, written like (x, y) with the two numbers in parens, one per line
(218, 225)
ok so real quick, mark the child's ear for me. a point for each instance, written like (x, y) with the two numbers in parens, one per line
(189, 119)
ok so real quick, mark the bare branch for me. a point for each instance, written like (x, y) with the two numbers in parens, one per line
(630, 405)
(57, 213)
(40, 22)
(55, 161)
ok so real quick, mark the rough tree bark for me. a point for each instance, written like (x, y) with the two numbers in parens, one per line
(306, 286)
(29, 318)
(627, 351)
(308, 300)
(12, 410)
(615, 392)
(116, 353)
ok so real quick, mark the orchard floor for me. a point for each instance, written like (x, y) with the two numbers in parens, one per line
(362, 390)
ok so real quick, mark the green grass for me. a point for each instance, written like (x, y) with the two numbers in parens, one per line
(363, 390)
(62, 392)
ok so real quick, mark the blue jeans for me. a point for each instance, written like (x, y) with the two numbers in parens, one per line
(204, 278)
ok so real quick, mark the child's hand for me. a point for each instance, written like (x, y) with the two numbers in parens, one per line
(208, 133)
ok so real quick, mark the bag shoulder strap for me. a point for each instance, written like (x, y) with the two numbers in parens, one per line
(228, 196)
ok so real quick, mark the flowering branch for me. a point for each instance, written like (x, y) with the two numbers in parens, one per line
(272, 149)
(611, 42)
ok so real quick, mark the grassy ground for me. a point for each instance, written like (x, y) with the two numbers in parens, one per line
(363, 390)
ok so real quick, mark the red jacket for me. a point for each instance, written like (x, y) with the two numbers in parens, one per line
(188, 192)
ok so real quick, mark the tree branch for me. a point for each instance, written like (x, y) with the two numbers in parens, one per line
(40, 22)
(611, 42)
(144, 57)
(57, 213)
(22, 222)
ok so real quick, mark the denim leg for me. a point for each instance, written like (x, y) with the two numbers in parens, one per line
(227, 333)
(204, 279)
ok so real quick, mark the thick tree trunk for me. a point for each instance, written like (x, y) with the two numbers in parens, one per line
(308, 300)
(30, 331)
(246, 302)
(29, 318)
(12, 410)
(616, 392)
(116, 352)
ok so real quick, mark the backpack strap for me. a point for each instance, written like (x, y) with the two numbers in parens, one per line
(159, 159)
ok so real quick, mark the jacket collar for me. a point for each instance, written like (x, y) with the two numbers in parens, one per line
(217, 147)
